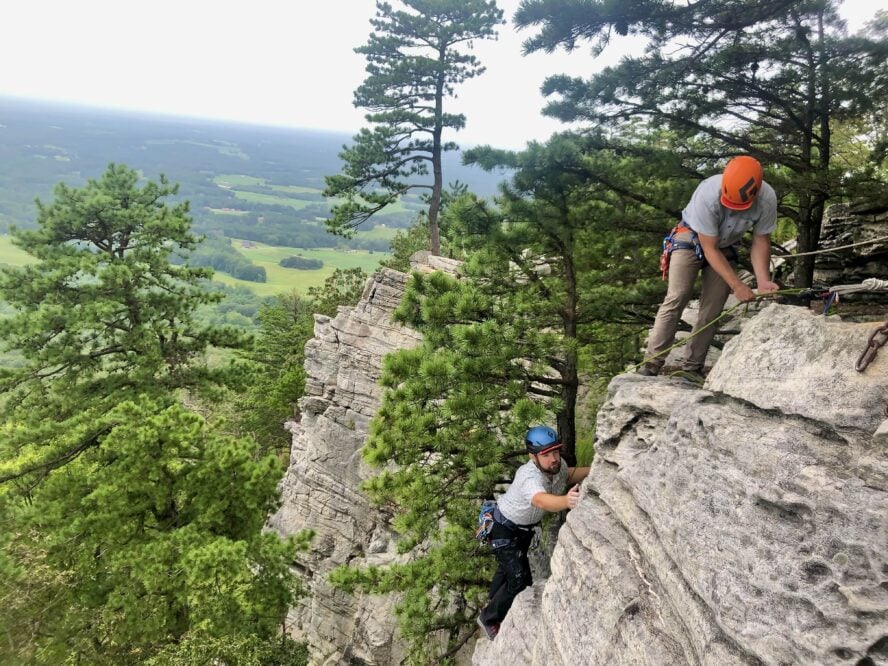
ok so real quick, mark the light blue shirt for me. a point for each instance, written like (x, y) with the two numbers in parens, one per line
(705, 214)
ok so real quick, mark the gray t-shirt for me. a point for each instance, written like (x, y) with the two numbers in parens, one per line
(515, 504)
(705, 214)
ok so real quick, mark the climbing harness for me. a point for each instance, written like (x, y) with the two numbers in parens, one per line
(670, 244)
(877, 340)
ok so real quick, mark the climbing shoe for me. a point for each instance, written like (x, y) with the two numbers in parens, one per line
(648, 370)
(490, 629)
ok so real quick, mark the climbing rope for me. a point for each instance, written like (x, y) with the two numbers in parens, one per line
(870, 284)
(832, 249)
(832, 296)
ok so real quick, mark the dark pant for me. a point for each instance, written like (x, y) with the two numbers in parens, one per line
(513, 573)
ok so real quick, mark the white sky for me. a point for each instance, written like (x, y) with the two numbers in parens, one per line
(281, 62)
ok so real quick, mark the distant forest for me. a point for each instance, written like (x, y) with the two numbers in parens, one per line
(257, 183)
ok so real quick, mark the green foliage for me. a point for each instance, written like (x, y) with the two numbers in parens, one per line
(416, 57)
(406, 243)
(772, 79)
(130, 524)
(573, 254)
(239, 307)
(302, 263)
(154, 534)
(277, 379)
(344, 287)
(241, 650)
(101, 317)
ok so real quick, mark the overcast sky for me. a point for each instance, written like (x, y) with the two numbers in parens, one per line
(282, 62)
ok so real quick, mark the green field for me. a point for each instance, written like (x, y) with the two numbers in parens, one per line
(289, 194)
(272, 200)
(280, 280)
(233, 180)
(290, 279)
(296, 189)
(379, 232)
(11, 255)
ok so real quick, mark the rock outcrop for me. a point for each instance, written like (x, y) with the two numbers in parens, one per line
(320, 490)
(848, 224)
(745, 522)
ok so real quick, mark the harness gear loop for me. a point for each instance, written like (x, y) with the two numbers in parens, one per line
(670, 244)
(872, 347)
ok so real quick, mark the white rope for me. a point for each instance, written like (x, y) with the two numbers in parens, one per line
(832, 249)
(870, 284)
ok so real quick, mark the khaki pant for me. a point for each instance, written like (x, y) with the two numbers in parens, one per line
(683, 269)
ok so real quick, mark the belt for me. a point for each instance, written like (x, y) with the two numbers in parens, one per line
(505, 522)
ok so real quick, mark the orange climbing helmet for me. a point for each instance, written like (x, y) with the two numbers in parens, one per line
(741, 182)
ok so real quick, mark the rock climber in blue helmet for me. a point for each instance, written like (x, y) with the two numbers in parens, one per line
(539, 485)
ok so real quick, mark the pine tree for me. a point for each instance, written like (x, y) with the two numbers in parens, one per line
(277, 377)
(130, 524)
(771, 79)
(416, 57)
(501, 350)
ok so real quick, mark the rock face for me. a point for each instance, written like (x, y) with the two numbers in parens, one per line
(846, 224)
(320, 490)
(745, 522)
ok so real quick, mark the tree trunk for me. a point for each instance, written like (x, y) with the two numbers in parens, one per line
(438, 184)
(567, 418)
(812, 202)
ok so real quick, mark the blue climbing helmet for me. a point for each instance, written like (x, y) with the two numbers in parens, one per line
(541, 439)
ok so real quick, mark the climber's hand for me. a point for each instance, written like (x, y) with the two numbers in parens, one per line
(766, 287)
(573, 496)
(743, 293)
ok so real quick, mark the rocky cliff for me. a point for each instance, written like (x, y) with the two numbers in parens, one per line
(744, 522)
(851, 224)
(320, 490)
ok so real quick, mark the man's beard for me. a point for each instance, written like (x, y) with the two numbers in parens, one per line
(544, 470)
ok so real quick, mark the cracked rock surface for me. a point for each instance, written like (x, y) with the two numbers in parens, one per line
(744, 522)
